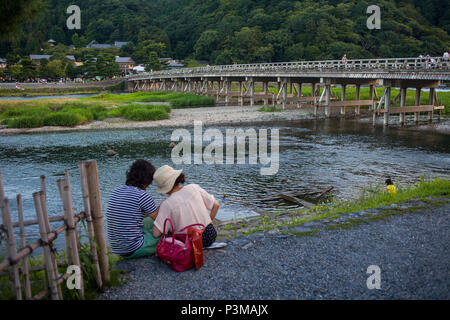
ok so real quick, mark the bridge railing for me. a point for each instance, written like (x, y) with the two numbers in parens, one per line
(431, 64)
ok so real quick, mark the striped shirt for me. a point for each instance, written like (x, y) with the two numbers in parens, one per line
(127, 207)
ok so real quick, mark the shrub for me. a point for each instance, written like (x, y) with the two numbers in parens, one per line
(147, 114)
(25, 122)
(63, 119)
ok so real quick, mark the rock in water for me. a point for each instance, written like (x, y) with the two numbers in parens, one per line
(110, 153)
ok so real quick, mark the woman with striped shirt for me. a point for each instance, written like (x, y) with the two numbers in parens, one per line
(131, 213)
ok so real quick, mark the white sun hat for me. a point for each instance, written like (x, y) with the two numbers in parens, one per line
(165, 178)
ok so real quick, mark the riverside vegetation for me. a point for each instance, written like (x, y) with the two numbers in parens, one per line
(73, 112)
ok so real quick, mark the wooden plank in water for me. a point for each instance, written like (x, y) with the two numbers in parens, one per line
(352, 103)
(424, 108)
(304, 203)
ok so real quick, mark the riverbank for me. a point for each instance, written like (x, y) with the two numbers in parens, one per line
(207, 115)
(410, 247)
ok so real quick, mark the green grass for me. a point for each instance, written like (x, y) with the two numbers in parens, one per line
(38, 114)
(141, 112)
(270, 109)
(49, 91)
(38, 282)
(176, 99)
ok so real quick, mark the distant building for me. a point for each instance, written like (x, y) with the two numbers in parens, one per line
(95, 44)
(126, 64)
(175, 65)
(120, 44)
(36, 58)
(2, 63)
(51, 42)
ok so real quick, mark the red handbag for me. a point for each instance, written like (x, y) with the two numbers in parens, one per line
(176, 251)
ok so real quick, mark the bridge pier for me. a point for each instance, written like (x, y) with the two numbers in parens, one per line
(343, 91)
(417, 114)
(402, 104)
(387, 104)
(357, 97)
(431, 102)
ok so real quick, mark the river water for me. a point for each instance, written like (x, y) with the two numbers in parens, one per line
(345, 154)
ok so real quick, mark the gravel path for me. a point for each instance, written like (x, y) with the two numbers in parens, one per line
(412, 251)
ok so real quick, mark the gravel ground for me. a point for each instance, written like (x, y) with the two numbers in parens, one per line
(412, 251)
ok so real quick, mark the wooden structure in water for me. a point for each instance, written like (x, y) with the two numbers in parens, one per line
(16, 260)
(290, 77)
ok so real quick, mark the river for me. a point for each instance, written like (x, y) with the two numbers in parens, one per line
(345, 154)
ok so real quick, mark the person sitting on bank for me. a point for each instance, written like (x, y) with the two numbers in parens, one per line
(185, 205)
(131, 212)
(391, 189)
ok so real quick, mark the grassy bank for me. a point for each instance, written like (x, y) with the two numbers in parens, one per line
(370, 198)
(176, 99)
(38, 278)
(72, 112)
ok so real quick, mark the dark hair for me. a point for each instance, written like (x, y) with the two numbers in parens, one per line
(140, 174)
(389, 181)
(180, 180)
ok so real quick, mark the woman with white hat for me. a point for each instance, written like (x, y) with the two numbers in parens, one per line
(185, 206)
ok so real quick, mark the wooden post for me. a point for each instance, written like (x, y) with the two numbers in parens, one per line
(241, 93)
(387, 105)
(299, 92)
(358, 95)
(48, 227)
(371, 91)
(66, 196)
(266, 92)
(6, 212)
(431, 102)
(343, 91)
(417, 114)
(90, 226)
(284, 93)
(95, 201)
(402, 104)
(26, 273)
(227, 92)
(51, 273)
(252, 92)
(328, 99)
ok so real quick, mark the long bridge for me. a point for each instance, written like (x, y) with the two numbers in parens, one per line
(290, 77)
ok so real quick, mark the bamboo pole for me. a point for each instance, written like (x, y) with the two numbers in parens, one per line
(70, 190)
(90, 226)
(51, 274)
(26, 272)
(66, 197)
(48, 227)
(11, 247)
(66, 235)
(30, 248)
(97, 216)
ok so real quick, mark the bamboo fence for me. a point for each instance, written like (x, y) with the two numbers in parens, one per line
(17, 260)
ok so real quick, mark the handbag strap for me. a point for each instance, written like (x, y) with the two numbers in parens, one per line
(164, 233)
(192, 225)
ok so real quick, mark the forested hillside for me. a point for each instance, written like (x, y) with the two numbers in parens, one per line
(227, 31)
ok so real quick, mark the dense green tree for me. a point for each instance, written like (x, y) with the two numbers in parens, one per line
(15, 12)
(153, 62)
(28, 68)
(106, 65)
